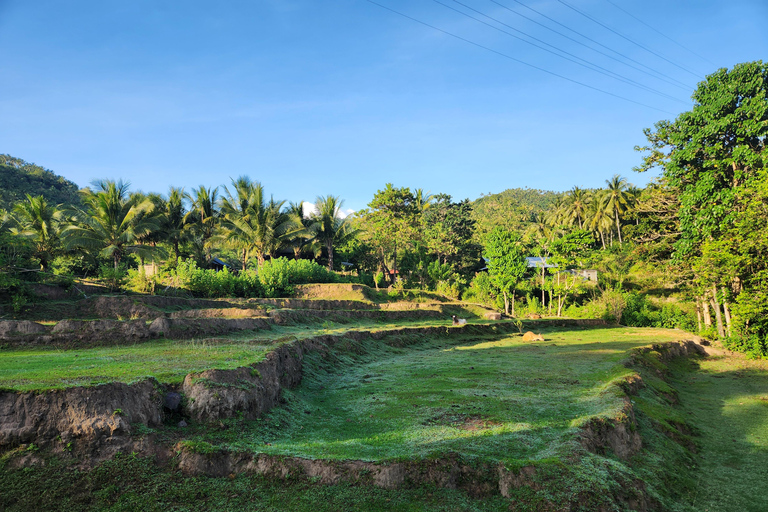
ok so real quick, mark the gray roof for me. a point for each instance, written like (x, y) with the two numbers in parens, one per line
(539, 262)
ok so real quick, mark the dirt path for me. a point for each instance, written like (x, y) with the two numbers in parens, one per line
(727, 398)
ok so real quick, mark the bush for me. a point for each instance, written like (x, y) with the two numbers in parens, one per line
(113, 277)
(278, 275)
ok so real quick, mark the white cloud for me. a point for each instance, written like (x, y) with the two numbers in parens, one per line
(309, 209)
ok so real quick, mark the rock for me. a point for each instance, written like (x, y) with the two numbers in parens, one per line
(493, 316)
(534, 316)
(182, 424)
(171, 401)
(529, 336)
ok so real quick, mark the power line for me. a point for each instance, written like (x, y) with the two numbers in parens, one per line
(659, 32)
(516, 59)
(655, 74)
(587, 64)
(630, 40)
(686, 86)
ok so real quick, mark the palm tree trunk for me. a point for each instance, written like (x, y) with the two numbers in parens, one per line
(618, 225)
(329, 246)
(506, 302)
(602, 238)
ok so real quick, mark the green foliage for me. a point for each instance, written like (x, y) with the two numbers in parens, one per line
(19, 179)
(641, 312)
(114, 277)
(514, 209)
(506, 261)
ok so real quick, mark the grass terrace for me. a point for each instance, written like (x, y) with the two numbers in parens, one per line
(494, 398)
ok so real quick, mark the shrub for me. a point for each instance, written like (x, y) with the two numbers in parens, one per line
(114, 278)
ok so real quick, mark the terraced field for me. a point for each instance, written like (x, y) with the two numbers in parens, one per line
(329, 393)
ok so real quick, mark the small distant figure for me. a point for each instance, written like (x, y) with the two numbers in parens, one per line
(458, 321)
(530, 336)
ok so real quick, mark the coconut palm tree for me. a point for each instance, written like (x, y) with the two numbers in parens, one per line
(328, 227)
(39, 222)
(599, 217)
(618, 199)
(250, 223)
(299, 238)
(575, 206)
(172, 224)
(203, 217)
(422, 200)
(112, 223)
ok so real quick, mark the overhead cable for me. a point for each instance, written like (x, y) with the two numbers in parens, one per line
(662, 34)
(630, 40)
(507, 56)
(584, 63)
(648, 71)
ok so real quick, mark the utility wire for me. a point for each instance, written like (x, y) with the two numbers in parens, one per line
(506, 56)
(587, 64)
(630, 40)
(659, 32)
(655, 74)
(685, 86)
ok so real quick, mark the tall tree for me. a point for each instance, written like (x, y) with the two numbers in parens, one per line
(39, 222)
(715, 157)
(618, 200)
(390, 222)
(112, 223)
(204, 216)
(506, 263)
(328, 226)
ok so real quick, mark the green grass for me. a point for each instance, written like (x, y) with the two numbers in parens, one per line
(499, 399)
(130, 484)
(726, 397)
(169, 361)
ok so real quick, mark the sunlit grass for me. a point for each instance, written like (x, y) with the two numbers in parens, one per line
(502, 399)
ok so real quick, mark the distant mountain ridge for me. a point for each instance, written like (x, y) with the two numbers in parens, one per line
(18, 178)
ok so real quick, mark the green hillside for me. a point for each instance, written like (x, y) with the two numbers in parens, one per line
(512, 208)
(18, 178)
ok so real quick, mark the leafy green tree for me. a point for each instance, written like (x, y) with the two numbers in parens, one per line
(112, 223)
(390, 223)
(40, 223)
(714, 156)
(328, 227)
(448, 231)
(506, 262)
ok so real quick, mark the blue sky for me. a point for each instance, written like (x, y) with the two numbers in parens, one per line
(314, 97)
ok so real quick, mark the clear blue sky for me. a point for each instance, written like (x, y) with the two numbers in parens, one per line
(320, 97)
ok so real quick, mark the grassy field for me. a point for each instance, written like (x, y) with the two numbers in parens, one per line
(484, 398)
(28, 369)
(726, 397)
(497, 399)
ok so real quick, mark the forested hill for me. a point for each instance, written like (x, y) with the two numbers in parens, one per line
(18, 178)
(512, 208)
